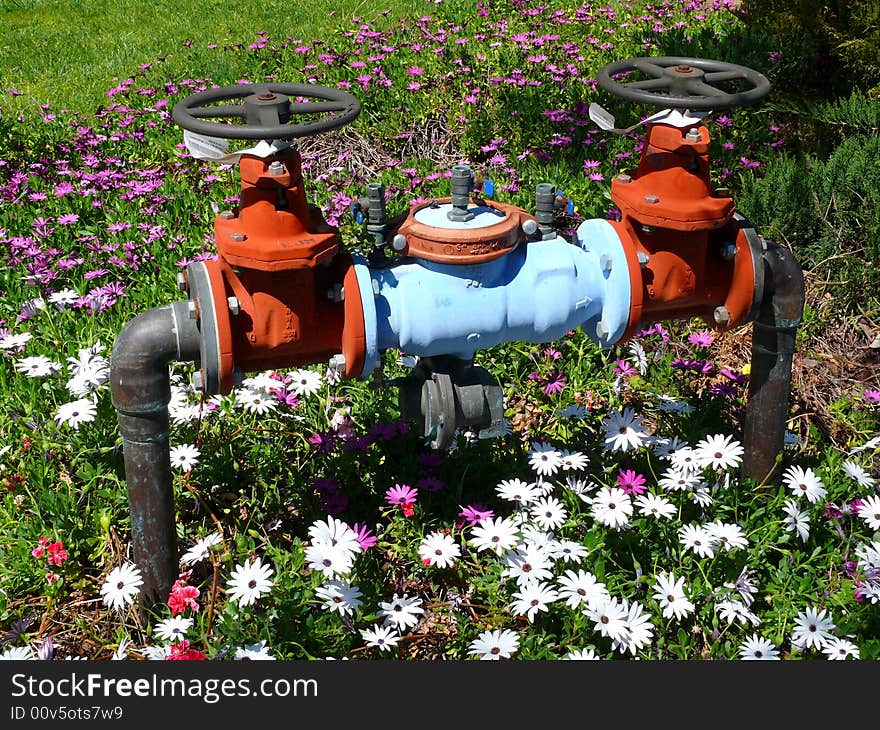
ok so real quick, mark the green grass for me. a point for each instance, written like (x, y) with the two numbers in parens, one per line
(68, 54)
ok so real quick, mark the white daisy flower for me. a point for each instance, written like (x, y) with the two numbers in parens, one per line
(837, 649)
(697, 539)
(701, 496)
(15, 341)
(857, 472)
(156, 653)
(719, 452)
(670, 404)
(185, 456)
(796, 520)
(610, 617)
(530, 562)
(640, 357)
(173, 629)
(686, 459)
(334, 533)
(385, 637)
(869, 445)
(652, 505)
(581, 655)
(727, 535)
(255, 401)
(804, 483)
(17, 654)
(757, 648)
(544, 459)
(439, 550)
(869, 511)
(253, 652)
(498, 534)
(38, 366)
(568, 550)
(548, 513)
(666, 447)
(495, 645)
(624, 431)
(516, 490)
(305, 382)
(674, 480)
(76, 412)
(640, 630)
(612, 507)
(812, 628)
(581, 589)
(581, 487)
(733, 611)
(63, 298)
(402, 612)
(201, 549)
(249, 582)
(331, 560)
(574, 460)
(340, 596)
(670, 594)
(532, 597)
(121, 586)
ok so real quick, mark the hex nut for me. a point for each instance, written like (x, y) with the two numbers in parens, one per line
(652, 199)
(226, 215)
(238, 237)
(275, 168)
(530, 227)
(234, 305)
(398, 243)
(722, 315)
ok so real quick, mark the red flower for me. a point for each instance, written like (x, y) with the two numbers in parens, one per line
(180, 651)
(182, 597)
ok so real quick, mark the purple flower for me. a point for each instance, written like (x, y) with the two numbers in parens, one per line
(623, 367)
(334, 502)
(430, 484)
(703, 338)
(401, 494)
(631, 482)
(366, 539)
(871, 395)
(473, 514)
(555, 383)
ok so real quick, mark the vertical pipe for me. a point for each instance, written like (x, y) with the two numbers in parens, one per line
(773, 342)
(140, 390)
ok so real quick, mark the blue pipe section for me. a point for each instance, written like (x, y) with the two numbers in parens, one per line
(536, 293)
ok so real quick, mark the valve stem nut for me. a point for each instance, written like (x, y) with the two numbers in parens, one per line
(234, 305)
(337, 363)
(722, 316)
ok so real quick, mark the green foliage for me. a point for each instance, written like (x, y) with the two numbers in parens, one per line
(817, 31)
(828, 211)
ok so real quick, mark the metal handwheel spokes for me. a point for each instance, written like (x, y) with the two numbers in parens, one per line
(681, 82)
(266, 111)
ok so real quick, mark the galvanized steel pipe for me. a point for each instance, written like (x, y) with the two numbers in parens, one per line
(140, 390)
(773, 342)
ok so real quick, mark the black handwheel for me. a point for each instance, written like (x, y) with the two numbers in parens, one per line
(266, 110)
(679, 82)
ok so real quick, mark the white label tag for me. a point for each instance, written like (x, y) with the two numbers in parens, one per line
(203, 147)
(214, 149)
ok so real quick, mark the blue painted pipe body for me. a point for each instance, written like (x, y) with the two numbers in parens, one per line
(536, 293)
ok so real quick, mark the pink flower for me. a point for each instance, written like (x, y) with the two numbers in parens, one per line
(52, 577)
(365, 537)
(183, 596)
(403, 495)
(57, 553)
(631, 482)
(703, 338)
(472, 515)
(871, 395)
(623, 367)
(180, 651)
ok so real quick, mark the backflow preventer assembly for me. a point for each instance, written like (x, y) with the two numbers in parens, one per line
(453, 276)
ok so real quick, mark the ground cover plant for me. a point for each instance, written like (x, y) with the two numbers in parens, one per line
(608, 522)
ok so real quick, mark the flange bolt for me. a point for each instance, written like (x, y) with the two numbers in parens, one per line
(530, 227)
(181, 281)
(643, 258)
(337, 363)
(693, 135)
(722, 316)
(728, 251)
(605, 263)
(234, 305)
(226, 215)
(197, 380)
(336, 293)
(652, 199)
(602, 330)
(191, 310)
(238, 237)
(276, 168)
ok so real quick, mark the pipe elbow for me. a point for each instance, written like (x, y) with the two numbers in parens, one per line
(139, 380)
